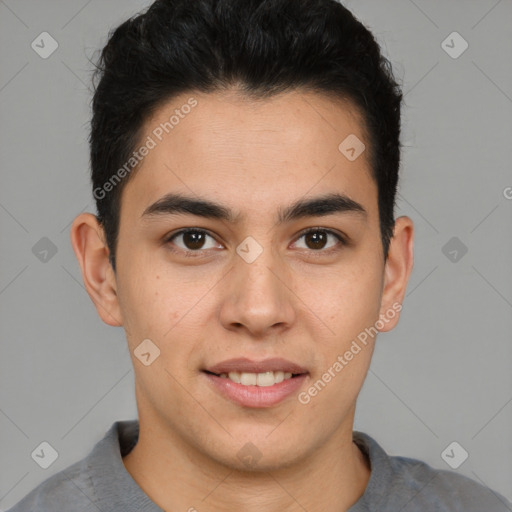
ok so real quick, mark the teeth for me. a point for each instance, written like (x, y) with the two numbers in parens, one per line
(234, 376)
(257, 379)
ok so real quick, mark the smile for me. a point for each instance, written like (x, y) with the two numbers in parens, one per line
(256, 389)
(257, 379)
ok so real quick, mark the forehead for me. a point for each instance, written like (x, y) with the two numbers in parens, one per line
(252, 152)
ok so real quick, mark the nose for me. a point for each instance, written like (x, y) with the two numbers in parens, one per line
(258, 297)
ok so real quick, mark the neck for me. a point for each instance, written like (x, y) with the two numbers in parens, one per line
(177, 476)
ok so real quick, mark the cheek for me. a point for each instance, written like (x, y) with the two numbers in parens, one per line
(164, 306)
(347, 299)
(353, 302)
(149, 305)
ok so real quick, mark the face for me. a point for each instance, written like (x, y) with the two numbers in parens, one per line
(256, 278)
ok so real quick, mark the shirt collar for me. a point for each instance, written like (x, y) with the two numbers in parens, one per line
(381, 475)
(115, 488)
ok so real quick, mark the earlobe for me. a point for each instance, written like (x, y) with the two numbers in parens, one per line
(397, 272)
(88, 241)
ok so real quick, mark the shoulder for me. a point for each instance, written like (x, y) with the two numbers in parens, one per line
(69, 489)
(411, 485)
(429, 488)
(98, 478)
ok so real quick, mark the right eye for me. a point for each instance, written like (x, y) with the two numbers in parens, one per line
(191, 241)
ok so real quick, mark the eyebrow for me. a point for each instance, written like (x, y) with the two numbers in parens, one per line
(175, 204)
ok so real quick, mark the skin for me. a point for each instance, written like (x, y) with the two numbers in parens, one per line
(294, 301)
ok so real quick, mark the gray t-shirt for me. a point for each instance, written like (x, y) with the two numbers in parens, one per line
(101, 483)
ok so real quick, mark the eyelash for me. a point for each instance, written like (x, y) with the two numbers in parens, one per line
(198, 253)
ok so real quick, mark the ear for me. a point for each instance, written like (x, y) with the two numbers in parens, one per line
(396, 272)
(88, 241)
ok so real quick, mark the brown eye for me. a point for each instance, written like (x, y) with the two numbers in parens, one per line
(192, 240)
(315, 239)
(318, 239)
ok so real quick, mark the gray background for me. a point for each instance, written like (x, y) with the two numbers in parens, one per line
(442, 375)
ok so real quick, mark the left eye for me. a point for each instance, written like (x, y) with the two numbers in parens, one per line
(317, 239)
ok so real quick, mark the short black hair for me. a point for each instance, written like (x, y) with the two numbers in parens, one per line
(258, 47)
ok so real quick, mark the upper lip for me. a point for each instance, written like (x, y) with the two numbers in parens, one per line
(242, 364)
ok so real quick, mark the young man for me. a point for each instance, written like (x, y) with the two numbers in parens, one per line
(245, 159)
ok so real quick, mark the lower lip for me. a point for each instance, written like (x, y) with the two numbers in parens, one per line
(256, 396)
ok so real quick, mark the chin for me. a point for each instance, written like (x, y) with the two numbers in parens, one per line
(259, 453)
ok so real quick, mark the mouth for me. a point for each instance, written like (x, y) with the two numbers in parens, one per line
(256, 384)
(262, 379)
(243, 365)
